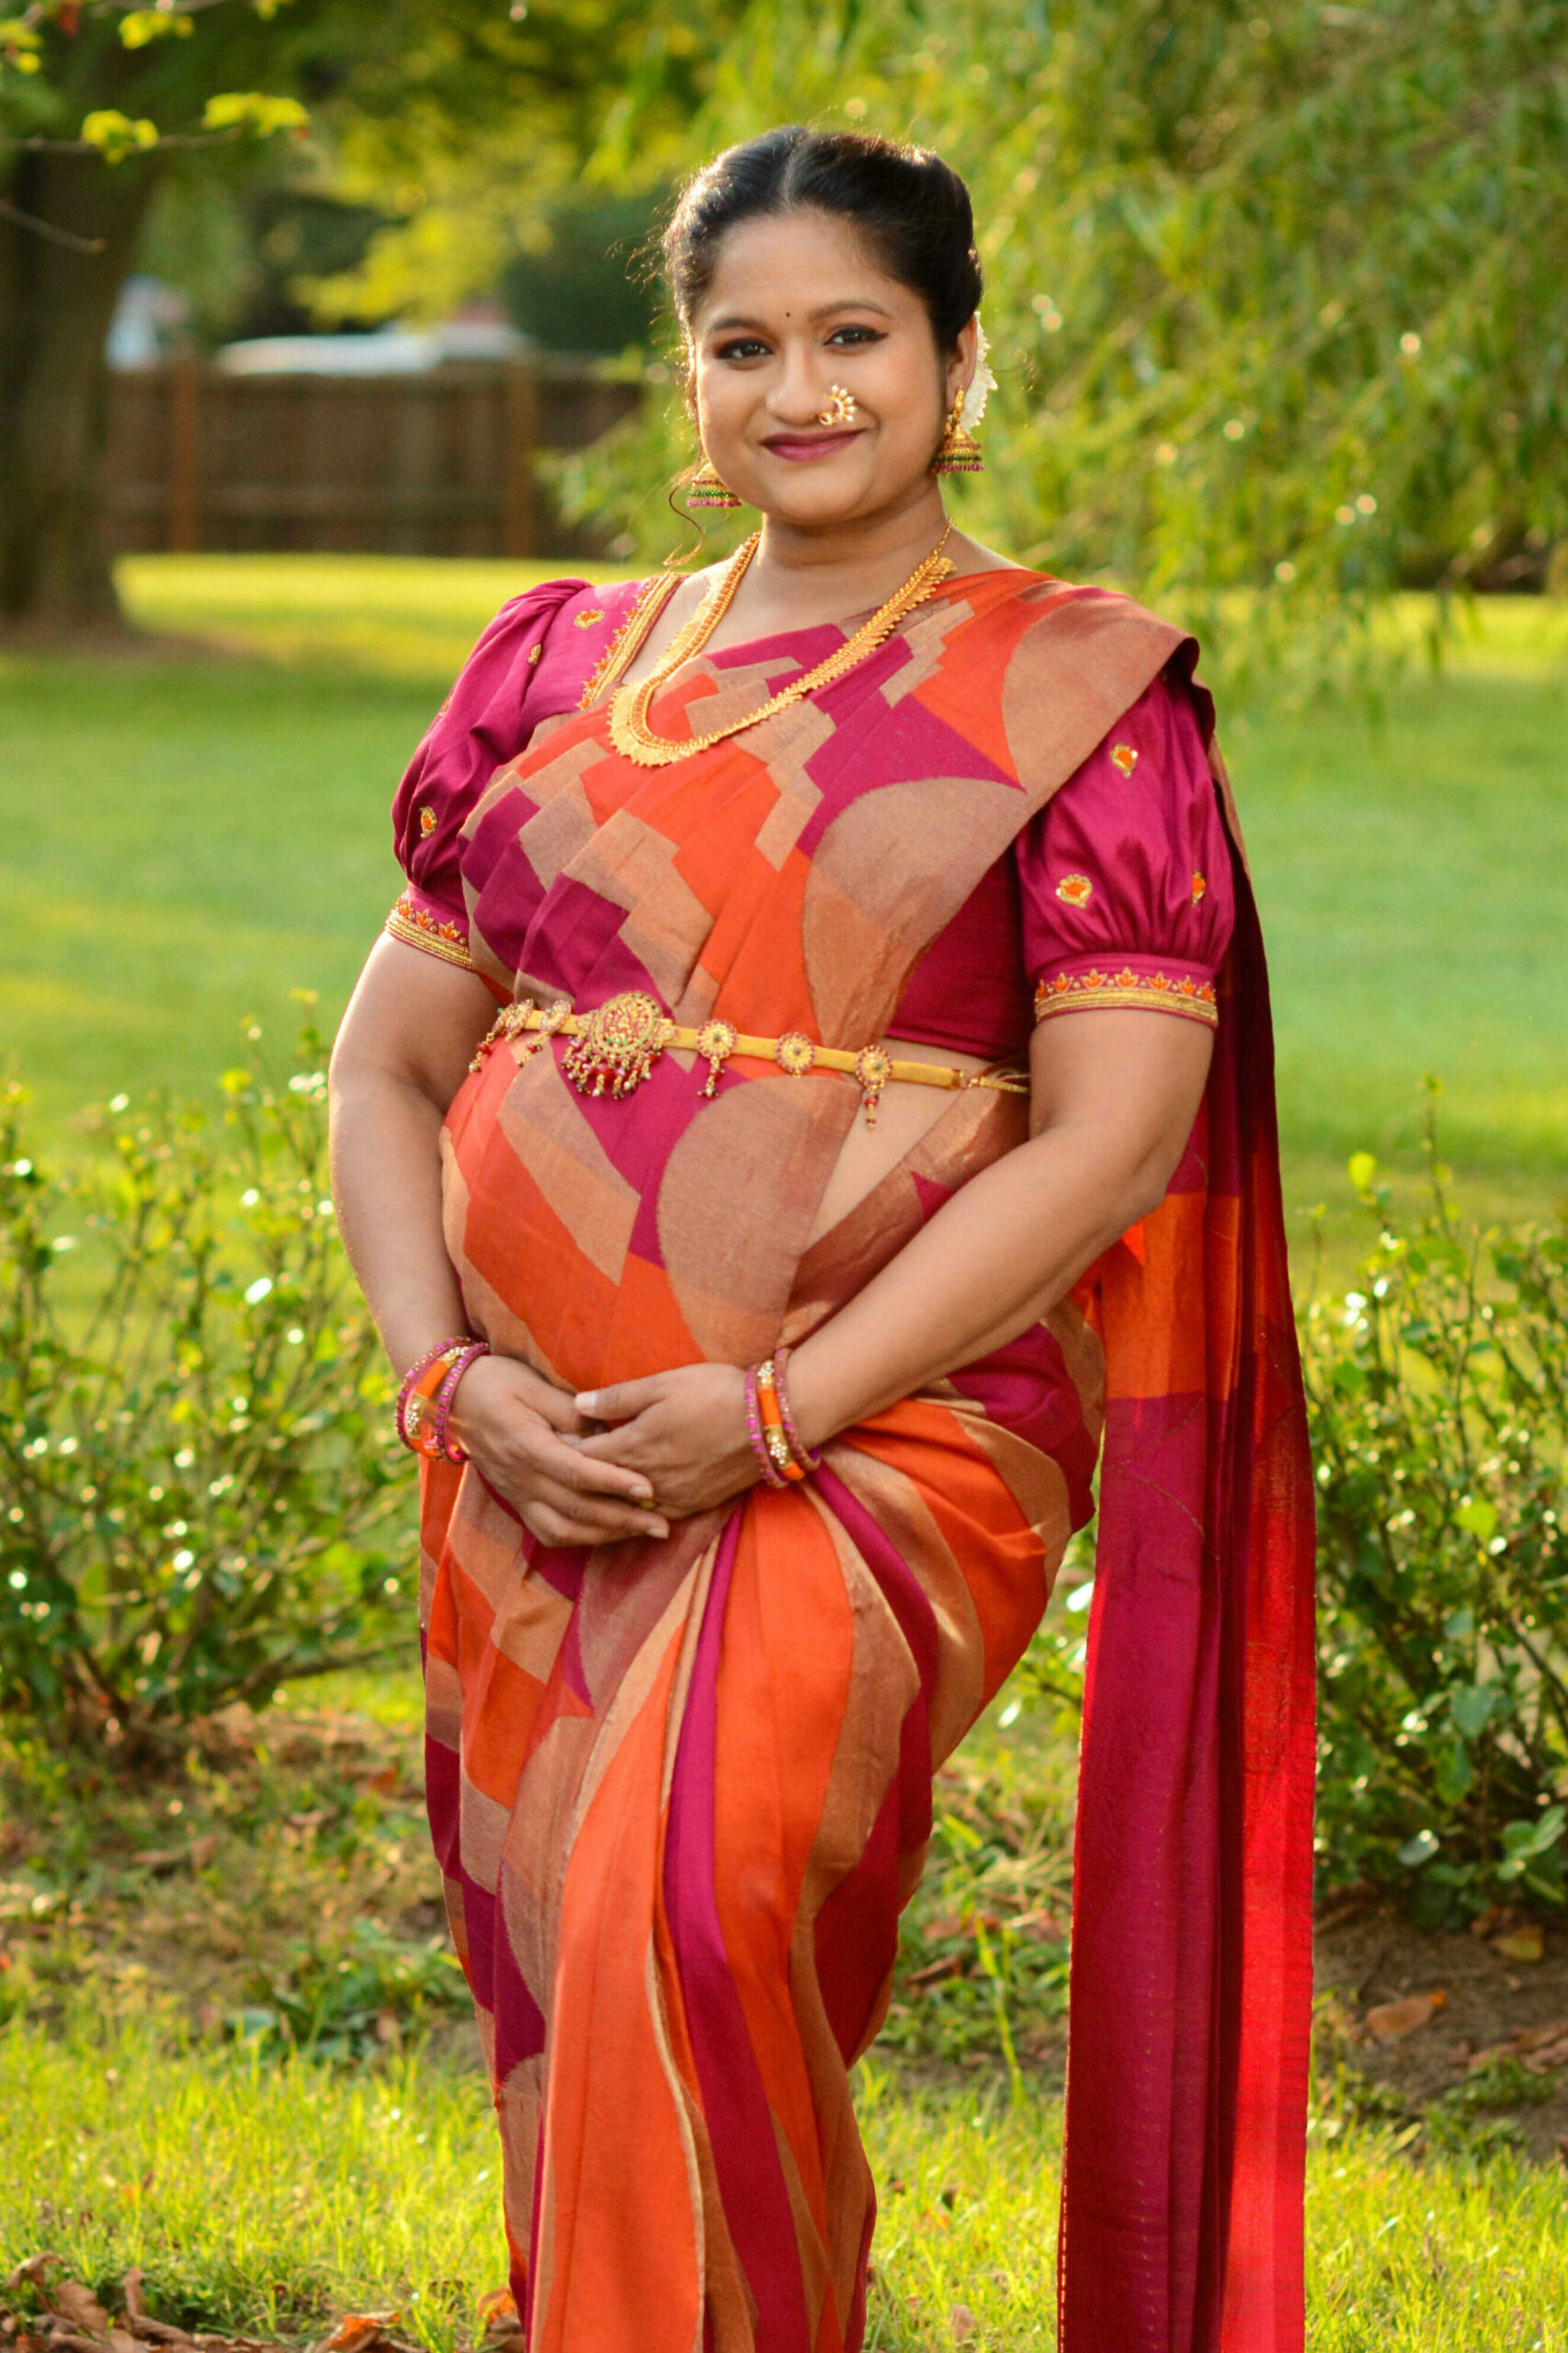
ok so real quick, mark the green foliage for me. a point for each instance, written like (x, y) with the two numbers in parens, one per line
(353, 1999)
(1437, 1404)
(982, 1948)
(1438, 1395)
(1279, 295)
(197, 1485)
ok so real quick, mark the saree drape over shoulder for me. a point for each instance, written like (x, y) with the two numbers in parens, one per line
(680, 1791)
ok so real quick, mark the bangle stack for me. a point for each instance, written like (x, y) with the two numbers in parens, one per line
(774, 1440)
(424, 1400)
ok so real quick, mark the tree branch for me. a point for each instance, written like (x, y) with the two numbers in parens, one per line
(67, 237)
(38, 144)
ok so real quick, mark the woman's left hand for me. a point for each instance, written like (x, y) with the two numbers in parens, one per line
(685, 1430)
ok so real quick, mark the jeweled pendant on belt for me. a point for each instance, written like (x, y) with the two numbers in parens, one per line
(618, 1045)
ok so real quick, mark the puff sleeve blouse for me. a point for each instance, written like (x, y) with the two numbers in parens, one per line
(1117, 893)
(499, 697)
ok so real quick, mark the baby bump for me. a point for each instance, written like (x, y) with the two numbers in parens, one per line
(603, 1239)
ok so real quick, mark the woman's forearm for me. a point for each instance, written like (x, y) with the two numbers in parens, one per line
(994, 1260)
(386, 1181)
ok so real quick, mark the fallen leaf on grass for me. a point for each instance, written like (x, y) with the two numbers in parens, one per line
(26, 2274)
(1041, 1927)
(499, 2315)
(1392, 2021)
(1524, 1943)
(962, 2324)
(1537, 2047)
(78, 2305)
(161, 1860)
(355, 2332)
(952, 1965)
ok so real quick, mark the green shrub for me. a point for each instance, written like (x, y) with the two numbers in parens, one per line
(198, 1485)
(353, 1999)
(1438, 1399)
(1438, 1402)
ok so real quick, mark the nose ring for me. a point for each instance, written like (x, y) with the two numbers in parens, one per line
(841, 407)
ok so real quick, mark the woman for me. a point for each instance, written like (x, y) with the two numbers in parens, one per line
(884, 1077)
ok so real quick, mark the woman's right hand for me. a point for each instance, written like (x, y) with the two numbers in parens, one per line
(519, 1429)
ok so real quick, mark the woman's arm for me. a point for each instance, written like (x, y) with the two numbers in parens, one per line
(401, 1053)
(1115, 1096)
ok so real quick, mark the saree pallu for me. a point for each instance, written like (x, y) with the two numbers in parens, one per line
(681, 1790)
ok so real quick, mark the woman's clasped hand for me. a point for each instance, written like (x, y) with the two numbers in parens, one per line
(610, 1464)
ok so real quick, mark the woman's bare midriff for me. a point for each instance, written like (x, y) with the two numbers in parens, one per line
(907, 1112)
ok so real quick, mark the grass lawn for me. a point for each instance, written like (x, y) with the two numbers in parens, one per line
(264, 2193)
(265, 2201)
(191, 836)
(189, 839)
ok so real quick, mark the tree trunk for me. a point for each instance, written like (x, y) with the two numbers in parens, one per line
(55, 308)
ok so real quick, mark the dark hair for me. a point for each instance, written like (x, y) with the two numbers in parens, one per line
(911, 207)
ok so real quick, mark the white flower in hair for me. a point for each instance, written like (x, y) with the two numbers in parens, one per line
(982, 384)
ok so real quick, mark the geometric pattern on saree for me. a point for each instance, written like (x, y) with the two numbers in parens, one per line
(680, 1791)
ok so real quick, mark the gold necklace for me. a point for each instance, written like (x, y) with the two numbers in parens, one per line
(628, 728)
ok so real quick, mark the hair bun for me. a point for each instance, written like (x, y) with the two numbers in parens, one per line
(910, 205)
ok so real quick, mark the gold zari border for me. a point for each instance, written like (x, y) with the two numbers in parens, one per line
(417, 929)
(1152, 992)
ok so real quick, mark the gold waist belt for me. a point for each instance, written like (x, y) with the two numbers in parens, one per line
(614, 1048)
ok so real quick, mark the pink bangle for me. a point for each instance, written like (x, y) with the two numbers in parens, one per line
(753, 1431)
(803, 1453)
(415, 1373)
(440, 1443)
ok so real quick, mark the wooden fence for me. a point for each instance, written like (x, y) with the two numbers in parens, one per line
(430, 464)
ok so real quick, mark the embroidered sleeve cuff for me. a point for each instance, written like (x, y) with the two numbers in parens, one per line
(1143, 983)
(419, 923)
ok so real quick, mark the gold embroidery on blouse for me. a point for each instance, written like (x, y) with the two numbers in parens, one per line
(426, 820)
(590, 619)
(1124, 757)
(1076, 889)
(417, 927)
(1146, 992)
(535, 652)
(631, 636)
(1198, 888)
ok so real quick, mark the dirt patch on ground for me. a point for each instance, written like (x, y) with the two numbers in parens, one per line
(278, 1880)
(1492, 2008)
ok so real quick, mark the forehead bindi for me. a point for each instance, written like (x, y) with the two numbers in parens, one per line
(793, 269)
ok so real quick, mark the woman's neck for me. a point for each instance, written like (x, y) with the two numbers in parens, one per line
(814, 575)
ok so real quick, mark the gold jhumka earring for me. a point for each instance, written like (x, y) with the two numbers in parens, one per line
(708, 489)
(841, 407)
(961, 453)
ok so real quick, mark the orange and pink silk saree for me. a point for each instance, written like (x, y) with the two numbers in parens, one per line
(681, 1790)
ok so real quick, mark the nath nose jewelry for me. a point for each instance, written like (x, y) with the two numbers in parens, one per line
(841, 407)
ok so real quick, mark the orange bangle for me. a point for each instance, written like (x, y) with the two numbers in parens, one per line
(421, 1397)
(776, 1438)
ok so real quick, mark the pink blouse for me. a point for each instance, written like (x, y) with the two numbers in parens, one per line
(1117, 893)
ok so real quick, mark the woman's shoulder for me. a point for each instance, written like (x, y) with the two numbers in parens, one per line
(1075, 657)
(541, 639)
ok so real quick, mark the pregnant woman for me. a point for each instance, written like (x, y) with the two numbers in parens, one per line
(877, 1131)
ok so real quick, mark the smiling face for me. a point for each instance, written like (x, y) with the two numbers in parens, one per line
(798, 303)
